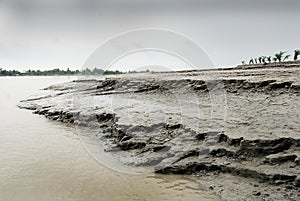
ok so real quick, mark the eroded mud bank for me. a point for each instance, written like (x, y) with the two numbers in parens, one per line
(239, 122)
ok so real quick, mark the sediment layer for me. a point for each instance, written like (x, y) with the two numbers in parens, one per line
(241, 122)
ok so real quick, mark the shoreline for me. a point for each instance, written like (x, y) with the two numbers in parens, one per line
(285, 64)
(164, 120)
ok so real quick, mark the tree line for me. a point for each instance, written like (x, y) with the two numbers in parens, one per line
(29, 72)
(278, 57)
(57, 71)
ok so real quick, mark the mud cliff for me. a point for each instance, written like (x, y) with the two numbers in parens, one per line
(222, 125)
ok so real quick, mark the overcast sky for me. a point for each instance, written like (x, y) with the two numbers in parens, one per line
(63, 33)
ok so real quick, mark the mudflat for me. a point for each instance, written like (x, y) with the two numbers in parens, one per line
(236, 128)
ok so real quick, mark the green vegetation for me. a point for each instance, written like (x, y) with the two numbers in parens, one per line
(278, 57)
(97, 71)
(296, 54)
(57, 71)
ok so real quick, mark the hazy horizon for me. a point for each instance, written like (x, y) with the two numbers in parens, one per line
(62, 34)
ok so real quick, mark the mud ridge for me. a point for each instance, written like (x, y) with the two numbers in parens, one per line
(238, 122)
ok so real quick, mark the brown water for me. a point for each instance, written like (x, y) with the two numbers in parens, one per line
(44, 160)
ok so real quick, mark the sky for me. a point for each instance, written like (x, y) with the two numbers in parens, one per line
(43, 34)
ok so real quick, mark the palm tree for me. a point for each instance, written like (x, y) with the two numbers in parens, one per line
(263, 59)
(279, 56)
(251, 61)
(259, 59)
(255, 60)
(286, 57)
(269, 58)
(296, 54)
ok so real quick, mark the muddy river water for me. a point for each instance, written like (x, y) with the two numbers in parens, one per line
(45, 160)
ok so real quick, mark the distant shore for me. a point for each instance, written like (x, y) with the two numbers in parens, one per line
(58, 72)
(96, 71)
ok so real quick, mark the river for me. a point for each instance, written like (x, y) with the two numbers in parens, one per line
(44, 160)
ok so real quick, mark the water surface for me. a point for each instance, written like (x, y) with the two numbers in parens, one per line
(44, 160)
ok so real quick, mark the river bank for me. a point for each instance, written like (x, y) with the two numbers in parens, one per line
(224, 125)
